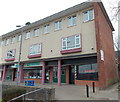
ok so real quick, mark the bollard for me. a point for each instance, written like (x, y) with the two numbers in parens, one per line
(87, 90)
(93, 87)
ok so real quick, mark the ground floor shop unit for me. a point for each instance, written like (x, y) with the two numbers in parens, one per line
(77, 70)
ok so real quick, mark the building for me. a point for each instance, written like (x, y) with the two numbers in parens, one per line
(74, 46)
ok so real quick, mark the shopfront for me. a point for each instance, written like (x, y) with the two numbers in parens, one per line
(81, 70)
(11, 73)
(33, 71)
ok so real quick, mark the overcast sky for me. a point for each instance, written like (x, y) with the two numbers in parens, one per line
(18, 12)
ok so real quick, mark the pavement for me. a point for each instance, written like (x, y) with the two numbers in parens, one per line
(78, 92)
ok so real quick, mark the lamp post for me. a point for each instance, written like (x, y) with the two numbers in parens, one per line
(20, 48)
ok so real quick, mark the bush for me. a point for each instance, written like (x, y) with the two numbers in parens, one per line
(12, 93)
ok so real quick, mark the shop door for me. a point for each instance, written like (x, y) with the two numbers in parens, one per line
(47, 75)
(63, 75)
(55, 79)
(71, 74)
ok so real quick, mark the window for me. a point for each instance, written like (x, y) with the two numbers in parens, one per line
(88, 15)
(46, 29)
(33, 73)
(27, 35)
(35, 49)
(71, 42)
(7, 41)
(36, 32)
(19, 37)
(58, 25)
(13, 40)
(2, 43)
(88, 72)
(72, 21)
(11, 54)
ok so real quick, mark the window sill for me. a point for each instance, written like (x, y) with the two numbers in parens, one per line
(88, 21)
(71, 26)
(71, 51)
(11, 59)
(34, 56)
(57, 30)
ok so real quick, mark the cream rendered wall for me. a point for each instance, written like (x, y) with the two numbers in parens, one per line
(51, 42)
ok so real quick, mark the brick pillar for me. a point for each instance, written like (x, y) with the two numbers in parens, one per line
(21, 75)
(67, 74)
(51, 74)
(59, 72)
(43, 73)
(4, 73)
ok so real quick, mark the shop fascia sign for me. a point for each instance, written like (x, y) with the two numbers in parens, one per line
(33, 64)
(14, 66)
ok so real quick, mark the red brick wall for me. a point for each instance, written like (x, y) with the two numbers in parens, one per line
(84, 82)
(104, 40)
(67, 74)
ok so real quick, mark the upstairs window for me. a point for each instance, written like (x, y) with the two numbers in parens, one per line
(27, 35)
(72, 21)
(13, 40)
(58, 25)
(88, 15)
(35, 49)
(7, 42)
(46, 28)
(10, 54)
(36, 32)
(71, 42)
(19, 37)
(2, 43)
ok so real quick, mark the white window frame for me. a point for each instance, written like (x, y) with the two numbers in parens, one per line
(88, 15)
(13, 54)
(7, 41)
(36, 32)
(32, 47)
(64, 40)
(13, 40)
(58, 25)
(27, 35)
(2, 43)
(71, 20)
(19, 37)
(47, 29)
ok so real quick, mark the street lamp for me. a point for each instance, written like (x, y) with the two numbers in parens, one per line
(20, 47)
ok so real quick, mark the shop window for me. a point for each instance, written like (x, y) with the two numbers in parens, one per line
(10, 54)
(32, 73)
(71, 42)
(87, 72)
(35, 49)
(9, 74)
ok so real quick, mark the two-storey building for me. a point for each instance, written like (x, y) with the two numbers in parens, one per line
(74, 46)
